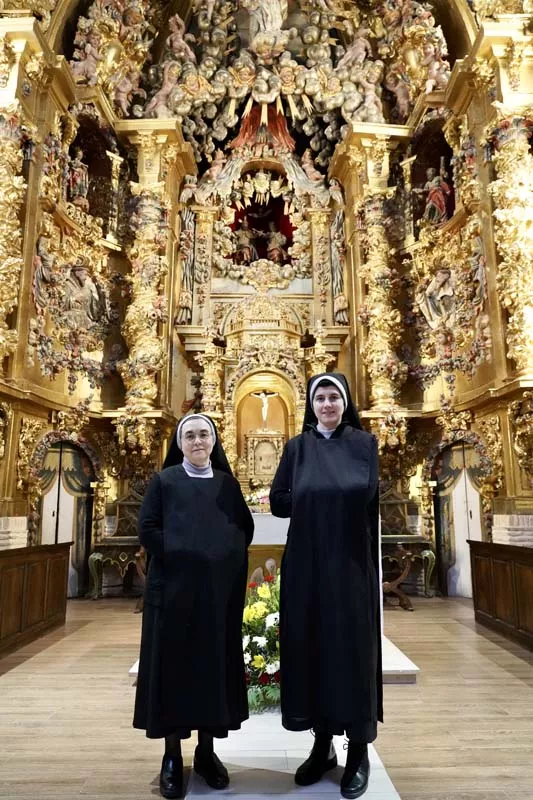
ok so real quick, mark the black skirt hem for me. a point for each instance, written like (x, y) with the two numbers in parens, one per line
(357, 731)
(185, 731)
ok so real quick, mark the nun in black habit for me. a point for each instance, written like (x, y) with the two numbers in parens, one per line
(330, 637)
(196, 527)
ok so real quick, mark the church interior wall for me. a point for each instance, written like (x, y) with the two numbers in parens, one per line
(398, 252)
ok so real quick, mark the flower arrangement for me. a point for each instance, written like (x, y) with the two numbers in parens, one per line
(259, 500)
(260, 643)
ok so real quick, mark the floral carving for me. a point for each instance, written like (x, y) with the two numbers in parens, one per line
(148, 306)
(521, 418)
(13, 135)
(512, 192)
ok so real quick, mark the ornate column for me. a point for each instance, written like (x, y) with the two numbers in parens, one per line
(157, 142)
(116, 164)
(203, 258)
(146, 309)
(383, 320)
(12, 188)
(320, 221)
(211, 361)
(512, 192)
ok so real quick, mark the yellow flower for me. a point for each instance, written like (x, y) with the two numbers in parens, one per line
(260, 609)
(248, 614)
(264, 591)
(258, 662)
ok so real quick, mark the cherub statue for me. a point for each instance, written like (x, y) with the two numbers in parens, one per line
(177, 40)
(158, 107)
(358, 50)
(309, 168)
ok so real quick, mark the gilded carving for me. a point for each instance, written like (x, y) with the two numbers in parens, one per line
(147, 307)
(111, 46)
(42, 9)
(13, 134)
(512, 192)
(6, 416)
(31, 431)
(521, 418)
(380, 317)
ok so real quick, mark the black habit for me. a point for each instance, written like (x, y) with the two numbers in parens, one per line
(191, 670)
(330, 631)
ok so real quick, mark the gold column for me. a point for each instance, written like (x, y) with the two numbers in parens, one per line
(512, 192)
(384, 321)
(320, 220)
(145, 311)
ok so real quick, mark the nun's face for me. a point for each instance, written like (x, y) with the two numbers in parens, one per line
(328, 406)
(197, 442)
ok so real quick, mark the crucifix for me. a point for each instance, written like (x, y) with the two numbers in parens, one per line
(264, 396)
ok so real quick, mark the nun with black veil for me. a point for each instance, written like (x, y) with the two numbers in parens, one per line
(196, 528)
(330, 637)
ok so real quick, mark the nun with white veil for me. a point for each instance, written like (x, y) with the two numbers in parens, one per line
(196, 528)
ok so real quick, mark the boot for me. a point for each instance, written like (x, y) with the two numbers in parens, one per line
(354, 782)
(208, 765)
(171, 775)
(321, 759)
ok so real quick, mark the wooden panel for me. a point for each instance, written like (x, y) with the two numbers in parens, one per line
(503, 588)
(503, 591)
(482, 574)
(35, 589)
(524, 585)
(11, 601)
(56, 589)
(33, 592)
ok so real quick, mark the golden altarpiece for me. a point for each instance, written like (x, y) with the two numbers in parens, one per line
(204, 203)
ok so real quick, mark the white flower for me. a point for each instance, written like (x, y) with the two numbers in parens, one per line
(245, 642)
(260, 641)
(247, 658)
(272, 619)
(272, 668)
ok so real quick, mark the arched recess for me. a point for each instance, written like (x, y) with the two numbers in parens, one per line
(272, 380)
(35, 485)
(63, 477)
(430, 493)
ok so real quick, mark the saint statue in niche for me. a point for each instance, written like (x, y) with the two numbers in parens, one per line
(437, 191)
(78, 181)
(264, 396)
(83, 304)
(437, 301)
(245, 250)
(276, 242)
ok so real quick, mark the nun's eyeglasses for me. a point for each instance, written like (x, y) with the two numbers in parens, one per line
(191, 437)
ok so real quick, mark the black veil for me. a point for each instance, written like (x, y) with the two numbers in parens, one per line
(350, 416)
(218, 456)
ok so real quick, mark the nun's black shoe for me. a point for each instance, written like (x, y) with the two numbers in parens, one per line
(211, 769)
(354, 782)
(171, 777)
(321, 759)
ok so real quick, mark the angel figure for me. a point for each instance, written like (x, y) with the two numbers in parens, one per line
(177, 43)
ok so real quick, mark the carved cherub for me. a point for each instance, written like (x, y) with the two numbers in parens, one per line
(177, 41)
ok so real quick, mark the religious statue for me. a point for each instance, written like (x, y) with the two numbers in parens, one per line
(437, 301)
(82, 302)
(276, 242)
(266, 16)
(245, 250)
(78, 181)
(357, 51)
(267, 39)
(177, 41)
(264, 396)
(437, 192)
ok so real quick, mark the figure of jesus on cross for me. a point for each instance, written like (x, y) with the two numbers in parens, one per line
(264, 396)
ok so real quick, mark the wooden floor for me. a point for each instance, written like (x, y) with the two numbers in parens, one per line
(464, 732)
